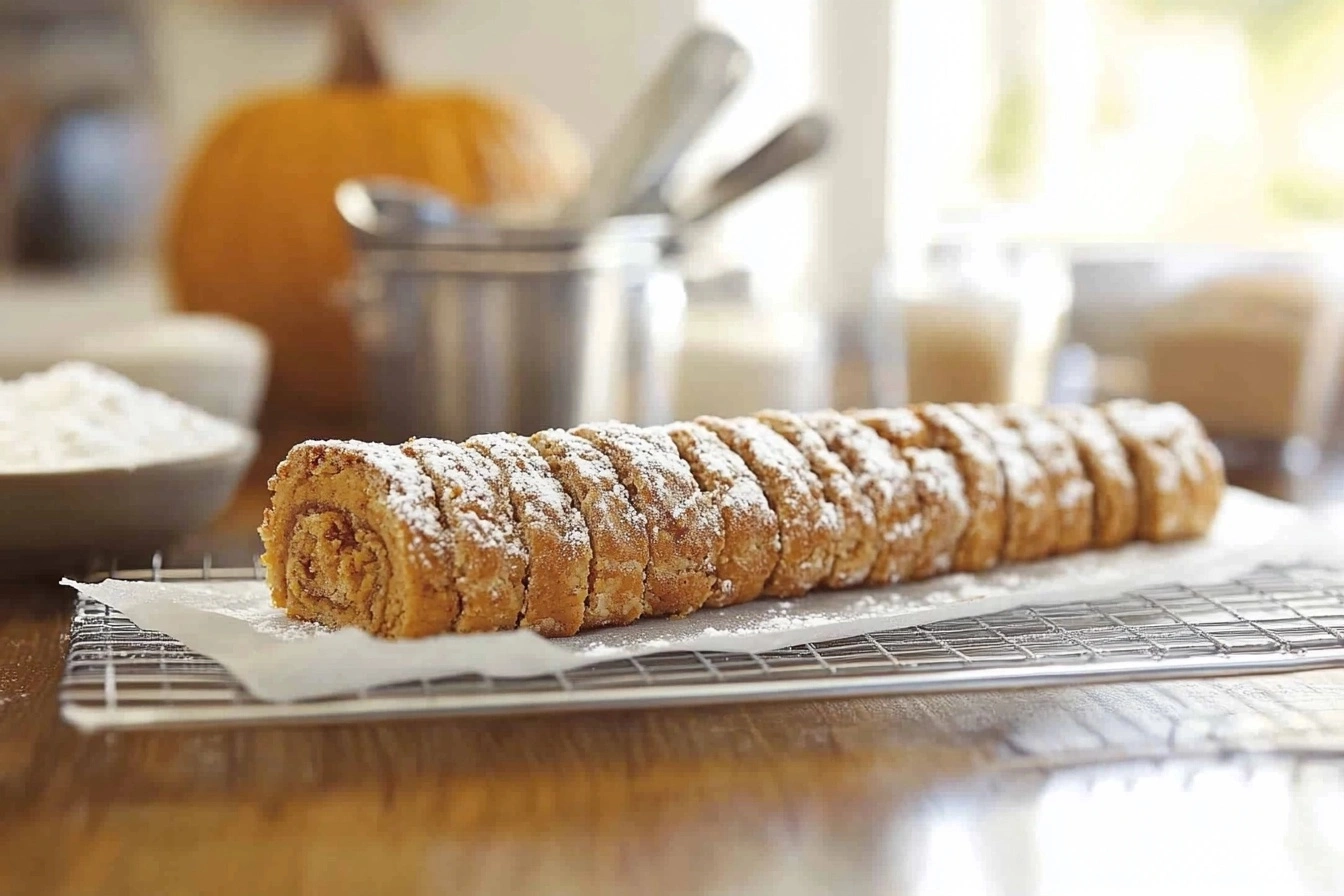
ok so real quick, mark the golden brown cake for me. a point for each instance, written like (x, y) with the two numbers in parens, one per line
(882, 475)
(1116, 504)
(857, 545)
(685, 529)
(617, 533)
(558, 552)
(982, 542)
(750, 528)
(1031, 521)
(944, 510)
(808, 525)
(489, 557)
(1071, 490)
(353, 536)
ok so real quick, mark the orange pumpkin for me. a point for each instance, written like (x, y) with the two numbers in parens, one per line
(254, 231)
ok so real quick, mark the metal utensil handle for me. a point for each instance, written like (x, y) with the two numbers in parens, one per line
(797, 143)
(654, 134)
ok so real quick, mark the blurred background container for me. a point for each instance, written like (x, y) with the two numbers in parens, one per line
(1021, 200)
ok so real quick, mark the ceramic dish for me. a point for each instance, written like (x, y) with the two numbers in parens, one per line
(59, 521)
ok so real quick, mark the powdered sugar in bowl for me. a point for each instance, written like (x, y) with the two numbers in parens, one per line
(92, 464)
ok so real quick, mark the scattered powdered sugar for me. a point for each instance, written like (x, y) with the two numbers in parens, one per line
(78, 416)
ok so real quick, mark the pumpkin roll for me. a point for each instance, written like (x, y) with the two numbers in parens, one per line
(1178, 472)
(809, 526)
(609, 522)
(489, 554)
(1115, 515)
(750, 528)
(1071, 490)
(885, 479)
(617, 532)
(857, 543)
(1031, 521)
(558, 551)
(944, 511)
(354, 537)
(685, 530)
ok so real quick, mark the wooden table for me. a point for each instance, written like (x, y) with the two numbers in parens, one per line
(1196, 786)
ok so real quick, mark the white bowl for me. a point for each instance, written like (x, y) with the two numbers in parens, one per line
(57, 522)
(215, 363)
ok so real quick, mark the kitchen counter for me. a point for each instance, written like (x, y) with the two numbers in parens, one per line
(1220, 785)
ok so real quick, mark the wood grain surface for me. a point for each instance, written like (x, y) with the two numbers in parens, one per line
(991, 793)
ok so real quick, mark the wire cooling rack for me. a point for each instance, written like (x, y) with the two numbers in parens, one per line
(1277, 619)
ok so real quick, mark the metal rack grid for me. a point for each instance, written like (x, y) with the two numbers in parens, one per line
(1277, 619)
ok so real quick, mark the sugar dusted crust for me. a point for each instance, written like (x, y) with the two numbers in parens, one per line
(617, 532)
(885, 478)
(750, 528)
(553, 530)
(857, 543)
(684, 527)
(944, 510)
(489, 555)
(1072, 491)
(605, 523)
(1116, 506)
(808, 525)
(983, 540)
(1031, 520)
(1178, 472)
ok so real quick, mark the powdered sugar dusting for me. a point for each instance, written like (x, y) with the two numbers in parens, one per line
(1095, 440)
(856, 542)
(750, 528)
(405, 489)
(559, 554)
(78, 416)
(1031, 517)
(685, 528)
(808, 522)
(616, 529)
(885, 478)
(490, 560)
(1055, 452)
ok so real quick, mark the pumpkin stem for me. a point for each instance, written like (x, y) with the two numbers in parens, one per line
(358, 62)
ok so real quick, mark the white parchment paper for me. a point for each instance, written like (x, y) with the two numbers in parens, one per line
(278, 659)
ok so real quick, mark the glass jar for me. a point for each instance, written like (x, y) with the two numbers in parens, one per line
(982, 321)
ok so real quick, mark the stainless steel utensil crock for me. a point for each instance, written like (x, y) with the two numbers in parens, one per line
(468, 328)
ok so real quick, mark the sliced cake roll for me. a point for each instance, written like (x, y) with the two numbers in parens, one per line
(1116, 501)
(750, 528)
(809, 526)
(945, 511)
(1031, 521)
(558, 552)
(885, 478)
(617, 532)
(489, 553)
(857, 545)
(1071, 490)
(685, 530)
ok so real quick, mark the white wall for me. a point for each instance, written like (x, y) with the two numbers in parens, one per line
(584, 59)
